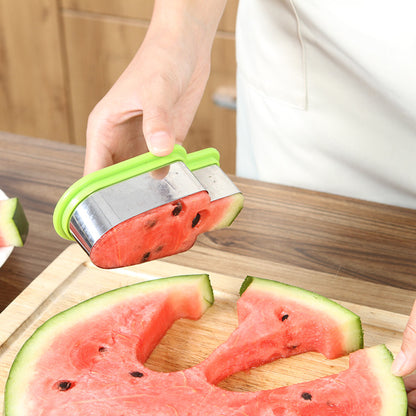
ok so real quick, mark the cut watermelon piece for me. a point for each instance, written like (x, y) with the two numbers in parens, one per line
(165, 230)
(89, 360)
(97, 341)
(294, 321)
(13, 223)
(366, 388)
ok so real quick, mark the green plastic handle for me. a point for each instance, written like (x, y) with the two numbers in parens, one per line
(119, 172)
(202, 158)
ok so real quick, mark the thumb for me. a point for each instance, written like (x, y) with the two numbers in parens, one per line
(160, 141)
(405, 361)
(158, 111)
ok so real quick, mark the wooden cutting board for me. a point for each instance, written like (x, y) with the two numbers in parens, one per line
(71, 278)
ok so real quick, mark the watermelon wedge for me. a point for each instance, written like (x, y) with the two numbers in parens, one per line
(13, 223)
(90, 359)
(165, 230)
(294, 321)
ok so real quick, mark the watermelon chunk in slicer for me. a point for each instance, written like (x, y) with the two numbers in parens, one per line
(147, 207)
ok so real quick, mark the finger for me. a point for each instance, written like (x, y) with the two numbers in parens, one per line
(410, 382)
(160, 173)
(160, 143)
(96, 159)
(94, 163)
(158, 114)
(405, 361)
(112, 136)
(411, 398)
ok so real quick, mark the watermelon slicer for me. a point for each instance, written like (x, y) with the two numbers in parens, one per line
(104, 199)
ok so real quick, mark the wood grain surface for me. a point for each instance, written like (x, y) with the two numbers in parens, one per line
(310, 230)
(140, 9)
(357, 252)
(33, 84)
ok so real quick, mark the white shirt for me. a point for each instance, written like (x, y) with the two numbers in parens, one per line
(326, 96)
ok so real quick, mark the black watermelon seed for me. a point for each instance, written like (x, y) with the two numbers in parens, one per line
(151, 223)
(293, 347)
(284, 317)
(159, 249)
(64, 385)
(146, 256)
(102, 349)
(136, 374)
(306, 396)
(195, 221)
(178, 208)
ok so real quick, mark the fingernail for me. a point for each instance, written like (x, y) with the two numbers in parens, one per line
(399, 364)
(159, 143)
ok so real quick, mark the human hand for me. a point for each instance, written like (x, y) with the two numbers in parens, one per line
(153, 103)
(405, 361)
(150, 106)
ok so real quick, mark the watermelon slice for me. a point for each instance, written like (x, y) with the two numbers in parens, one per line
(90, 359)
(294, 321)
(13, 223)
(117, 329)
(165, 230)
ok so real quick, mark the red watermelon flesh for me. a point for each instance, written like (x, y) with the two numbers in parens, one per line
(367, 388)
(91, 345)
(90, 360)
(164, 231)
(291, 323)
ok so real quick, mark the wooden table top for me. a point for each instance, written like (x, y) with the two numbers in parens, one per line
(303, 230)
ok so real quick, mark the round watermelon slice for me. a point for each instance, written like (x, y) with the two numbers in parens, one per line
(89, 360)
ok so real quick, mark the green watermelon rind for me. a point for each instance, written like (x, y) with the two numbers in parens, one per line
(236, 205)
(14, 226)
(393, 391)
(349, 322)
(34, 346)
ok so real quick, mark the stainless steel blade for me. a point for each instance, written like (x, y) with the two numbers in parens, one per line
(110, 206)
(216, 182)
